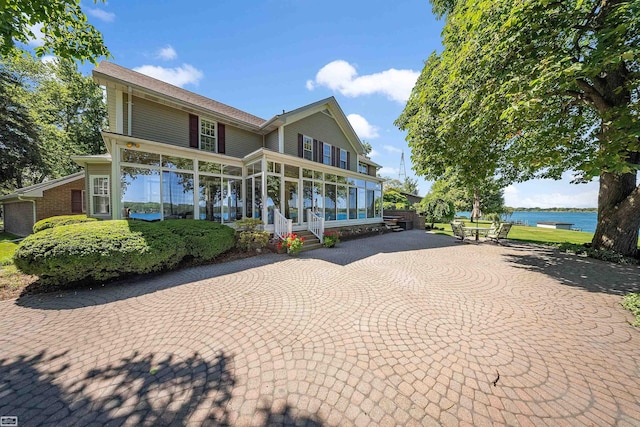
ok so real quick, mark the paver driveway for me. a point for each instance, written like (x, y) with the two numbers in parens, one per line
(398, 329)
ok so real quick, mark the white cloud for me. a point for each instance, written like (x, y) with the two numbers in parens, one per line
(388, 172)
(49, 59)
(341, 76)
(37, 32)
(101, 14)
(167, 53)
(363, 128)
(179, 76)
(373, 153)
(392, 149)
(583, 199)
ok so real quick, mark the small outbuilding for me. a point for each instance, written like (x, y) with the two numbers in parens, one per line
(62, 196)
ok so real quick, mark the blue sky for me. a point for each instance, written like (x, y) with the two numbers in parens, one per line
(265, 56)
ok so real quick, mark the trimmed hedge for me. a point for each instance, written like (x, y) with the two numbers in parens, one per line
(203, 240)
(97, 251)
(56, 221)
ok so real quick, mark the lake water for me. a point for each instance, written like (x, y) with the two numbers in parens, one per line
(585, 221)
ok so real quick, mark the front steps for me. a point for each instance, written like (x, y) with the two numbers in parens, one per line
(311, 242)
(393, 226)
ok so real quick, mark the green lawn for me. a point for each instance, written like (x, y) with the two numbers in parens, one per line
(7, 248)
(532, 234)
(12, 281)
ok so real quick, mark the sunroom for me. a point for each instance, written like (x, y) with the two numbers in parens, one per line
(155, 181)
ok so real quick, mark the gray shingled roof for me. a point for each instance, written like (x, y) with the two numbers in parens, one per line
(134, 78)
(37, 189)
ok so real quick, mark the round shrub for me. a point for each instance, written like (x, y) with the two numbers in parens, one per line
(56, 221)
(96, 251)
(252, 240)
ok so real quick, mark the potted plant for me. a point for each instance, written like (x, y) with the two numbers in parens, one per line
(330, 238)
(293, 243)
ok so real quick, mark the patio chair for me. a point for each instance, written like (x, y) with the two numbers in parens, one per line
(459, 231)
(500, 233)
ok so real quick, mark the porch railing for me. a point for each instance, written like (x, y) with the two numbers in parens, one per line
(282, 224)
(315, 224)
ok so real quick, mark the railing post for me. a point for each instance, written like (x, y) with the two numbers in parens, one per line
(276, 223)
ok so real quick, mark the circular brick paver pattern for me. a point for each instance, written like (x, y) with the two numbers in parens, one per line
(400, 329)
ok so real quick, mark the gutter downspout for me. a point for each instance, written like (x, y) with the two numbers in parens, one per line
(129, 107)
(33, 202)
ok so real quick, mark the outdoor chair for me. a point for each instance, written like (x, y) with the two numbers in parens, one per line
(500, 233)
(459, 231)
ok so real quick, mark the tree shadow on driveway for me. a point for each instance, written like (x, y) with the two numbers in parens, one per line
(577, 271)
(345, 253)
(356, 250)
(140, 389)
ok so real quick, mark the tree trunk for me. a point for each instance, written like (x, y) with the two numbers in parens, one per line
(618, 214)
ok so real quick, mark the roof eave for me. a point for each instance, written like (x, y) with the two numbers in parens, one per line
(104, 79)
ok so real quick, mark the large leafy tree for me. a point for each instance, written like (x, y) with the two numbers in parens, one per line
(65, 111)
(408, 186)
(452, 188)
(61, 25)
(533, 88)
(18, 135)
(70, 110)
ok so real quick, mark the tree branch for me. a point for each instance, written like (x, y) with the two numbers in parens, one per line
(592, 94)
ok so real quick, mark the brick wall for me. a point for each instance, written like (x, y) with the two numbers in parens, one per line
(57, 201)
(18, 218)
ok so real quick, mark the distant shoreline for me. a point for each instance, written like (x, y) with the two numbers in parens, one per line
(554, 209)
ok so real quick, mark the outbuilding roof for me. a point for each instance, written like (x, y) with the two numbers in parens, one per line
(37, 190)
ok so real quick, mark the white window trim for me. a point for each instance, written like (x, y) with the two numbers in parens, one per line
(365, 166)
(92, 194)
(343, 151)
(324, 148)
(200, 134)
(307, 139)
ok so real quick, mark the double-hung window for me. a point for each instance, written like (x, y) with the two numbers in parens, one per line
(307, 147)
(326, 154)
(362, 168)
(343, 159)
(207, 135)
(99, 187)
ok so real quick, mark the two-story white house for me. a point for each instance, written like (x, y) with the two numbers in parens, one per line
(175, 154)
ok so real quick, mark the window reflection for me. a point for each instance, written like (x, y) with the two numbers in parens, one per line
(177, 195)
(141, 193)
(210, 196)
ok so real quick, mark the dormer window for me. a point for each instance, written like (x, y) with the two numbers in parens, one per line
(207, 135)
(363, 168)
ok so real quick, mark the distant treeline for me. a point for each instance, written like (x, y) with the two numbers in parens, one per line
(554, 209)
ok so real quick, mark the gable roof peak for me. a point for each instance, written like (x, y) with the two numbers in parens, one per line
(163, 89)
